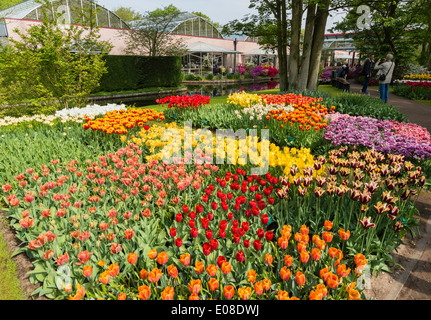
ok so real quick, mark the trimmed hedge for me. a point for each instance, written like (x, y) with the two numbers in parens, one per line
(137, 72)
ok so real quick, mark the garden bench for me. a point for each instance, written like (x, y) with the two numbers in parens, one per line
(341, 83)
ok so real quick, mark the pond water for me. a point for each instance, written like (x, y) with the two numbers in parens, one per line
(206, 90)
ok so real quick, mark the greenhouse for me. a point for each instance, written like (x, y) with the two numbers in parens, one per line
(71, 11)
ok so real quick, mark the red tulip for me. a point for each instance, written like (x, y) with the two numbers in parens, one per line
(240, 256)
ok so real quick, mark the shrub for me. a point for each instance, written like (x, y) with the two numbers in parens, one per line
(137, 72)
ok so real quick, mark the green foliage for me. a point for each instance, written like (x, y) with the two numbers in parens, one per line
(136, 72)
(52, 64)
(192, 77)
(4, 4)
(127, 14)
(414, 93)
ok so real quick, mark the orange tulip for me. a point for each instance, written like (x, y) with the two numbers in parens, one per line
(122, 296)
(321, 287)
(194, 296)
(324, 273)
(195, 286)
(168, 293)
(266, 284)
(315, 254)
(300, 278)
(173, 271)
(288, 260)
(143, 274)
(327, 236)
(285, 273)
(87, 271)
(213, 284)
(162, 258)
(344, 235)
(199, 267)
(104, 277)
(354, 295)
(304, 229)
(185, 259)
(268, 259)
(332, 252)
(283, 242)
(155, 275)
(244, 293)
(212, 270)
(251, 275)
(144, 292)
(304, 256)
(258, 288)
(315, 295)
(342, 271)
(332, 280)
(132, 258)
(152, 254)
(328, 225)
(301, 246)
(283, 295)
(229, 292)
(113, 269)
(226, 267)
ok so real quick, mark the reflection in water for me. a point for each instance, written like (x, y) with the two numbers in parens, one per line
(207, 90)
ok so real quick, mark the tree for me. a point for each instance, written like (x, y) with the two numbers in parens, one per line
(272, 23)
(127, 14)
(151, 34)
(54, 64)
(200, 14)
(396, 26)
(4, 4)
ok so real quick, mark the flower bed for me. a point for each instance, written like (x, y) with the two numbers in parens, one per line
(383, 135)
(129, 215)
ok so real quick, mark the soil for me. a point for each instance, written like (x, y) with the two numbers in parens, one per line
(411, 281)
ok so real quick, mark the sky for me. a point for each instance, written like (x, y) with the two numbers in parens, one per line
(221, 11)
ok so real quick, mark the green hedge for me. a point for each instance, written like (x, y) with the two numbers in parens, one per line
(137, 72)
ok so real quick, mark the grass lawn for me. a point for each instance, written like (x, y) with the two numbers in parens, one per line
(10, 288)
(427, 102)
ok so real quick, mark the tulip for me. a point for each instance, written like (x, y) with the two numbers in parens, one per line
(154, 275)
(300, 278)
(212, 270)
(168, 293)
(229, 292)
(226, 267)
(104, 277)
(213, 284)
(144, 292)
(185, 259)
(173, 271)
(268, 258)
(162, 258)
(220, 260)
(266, 284)
(178, 242)
(258, 288)
(199, 267)
(87, 271)
(285, 273)
(132, 258)
(240, 257)
(195, 286)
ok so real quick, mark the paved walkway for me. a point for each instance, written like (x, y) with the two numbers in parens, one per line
(416, 112)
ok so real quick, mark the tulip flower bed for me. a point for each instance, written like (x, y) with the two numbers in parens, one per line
(122, 230)
(409, 140)
(104, 215)
(184, 101)
(123, 120)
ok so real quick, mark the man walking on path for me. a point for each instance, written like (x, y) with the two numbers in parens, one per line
(386, 69)
(366, 71)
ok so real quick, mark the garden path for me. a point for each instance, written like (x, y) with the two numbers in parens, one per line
(416, 112)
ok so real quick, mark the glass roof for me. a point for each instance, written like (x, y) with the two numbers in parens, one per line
(31, 9)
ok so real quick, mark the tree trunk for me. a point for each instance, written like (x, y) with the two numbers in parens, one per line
(318, 38)
(281, 42)
(307, 46)
(294, 42)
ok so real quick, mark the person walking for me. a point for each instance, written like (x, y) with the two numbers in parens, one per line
(384, 75)
(366, 71)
